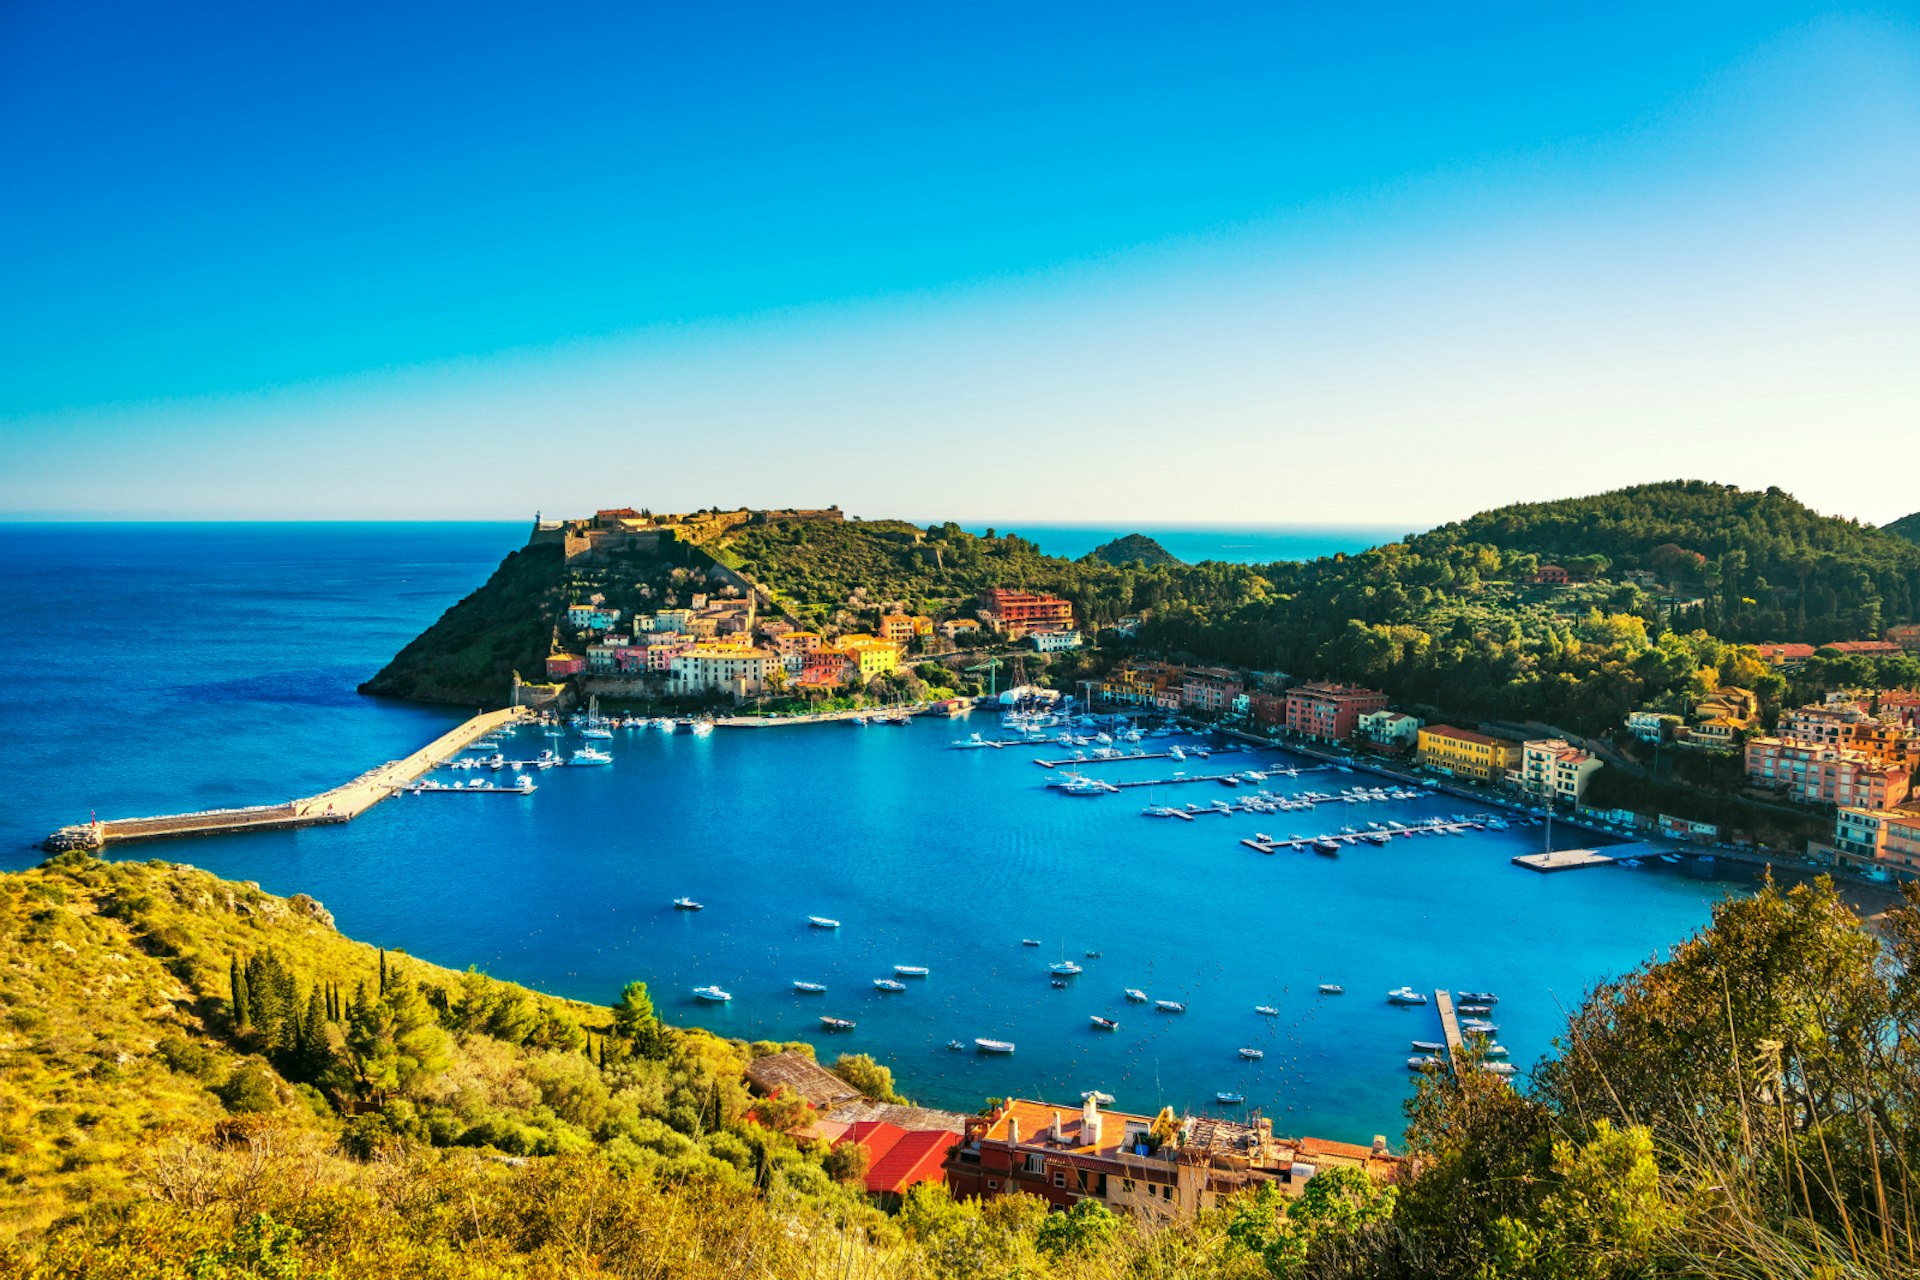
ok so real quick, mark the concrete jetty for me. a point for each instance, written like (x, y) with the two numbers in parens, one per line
(1443, 1001)
(341, 804)
(1563, 860)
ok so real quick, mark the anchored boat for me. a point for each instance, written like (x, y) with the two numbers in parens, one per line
(994, 1046)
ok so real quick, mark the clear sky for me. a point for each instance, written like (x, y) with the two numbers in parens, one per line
(1129, 264)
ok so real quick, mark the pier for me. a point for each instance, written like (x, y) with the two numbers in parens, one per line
(1450, 1025)
(341, 804)
(1563, 860)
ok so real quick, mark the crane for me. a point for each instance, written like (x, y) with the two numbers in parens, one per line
(992, 667)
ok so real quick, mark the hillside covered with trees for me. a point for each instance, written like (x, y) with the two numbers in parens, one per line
(202, 1080)
(1907, 527)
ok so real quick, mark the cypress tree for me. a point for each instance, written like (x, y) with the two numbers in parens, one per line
(311, 1055)
(237, 984)
(719, 1120)
(383, 971)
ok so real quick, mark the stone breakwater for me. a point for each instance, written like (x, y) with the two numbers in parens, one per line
(340, 804)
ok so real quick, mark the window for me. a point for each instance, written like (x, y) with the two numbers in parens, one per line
(1059, 1178)
(993, 1184)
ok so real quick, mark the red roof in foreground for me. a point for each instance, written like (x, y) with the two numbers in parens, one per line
(898, 1158)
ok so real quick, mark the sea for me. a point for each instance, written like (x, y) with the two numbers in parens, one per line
(158, 668)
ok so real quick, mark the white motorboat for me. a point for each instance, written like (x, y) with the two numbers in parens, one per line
(589, 755)
(1252, 1055)
(1429, 1046)
(688, 904)
(1065, 968)
(1498, 1068)
(889, 984)
(1405, 995)
(1136, 996)
(1096, 1097)
(910, 971)
(837, 1024)
(823, 922)
(994, 1046)
(1170, 1006)
(1029, 942)
(1266, 1011)
(1477, 997)
(714, 994)
(1424, 1062)
(1332, 989)
(1105, 1024)
(810, 988)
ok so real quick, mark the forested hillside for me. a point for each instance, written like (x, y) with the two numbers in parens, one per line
(1134, 546)
(199, 1081)
(470, 654)
(1907, 527)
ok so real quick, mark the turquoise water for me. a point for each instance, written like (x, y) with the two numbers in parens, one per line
(226, 676)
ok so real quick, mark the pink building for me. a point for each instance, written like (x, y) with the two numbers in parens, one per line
(562, 665)
(1210, 689)
(1330, 712)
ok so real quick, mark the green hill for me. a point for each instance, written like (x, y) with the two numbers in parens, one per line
(1134, 547)
(469, 655)
(1907, 527)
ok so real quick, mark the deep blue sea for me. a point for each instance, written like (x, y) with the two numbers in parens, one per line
(164, 667)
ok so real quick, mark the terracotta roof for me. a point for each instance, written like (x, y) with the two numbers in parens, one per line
(1464, 735)
(898, 1158)
(909, 1118)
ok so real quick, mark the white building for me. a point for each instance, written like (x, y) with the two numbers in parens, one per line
(1651, 726)
(1391, 728)
(1054, 641)
(722, 669)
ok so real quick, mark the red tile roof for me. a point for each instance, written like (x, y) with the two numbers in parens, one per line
(899, 1159)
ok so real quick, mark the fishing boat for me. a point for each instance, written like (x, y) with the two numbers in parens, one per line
(1429, 1046)
(1136, 995)
(1423, 1062)
(888, 984)
(1266, 1011)
(1064, 968)
(1252, 1055)
(1229, 1099)
(1405, 995)
(837, 1024)
(588, 755)
(1105, 1024)
(1332, 989)
(910, 970)
(1169, 1006)
(822, 922)
(994, 1046)
(810, 988)
(715, 994)
(688, 904)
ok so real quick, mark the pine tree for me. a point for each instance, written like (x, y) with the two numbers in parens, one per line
(383, 971)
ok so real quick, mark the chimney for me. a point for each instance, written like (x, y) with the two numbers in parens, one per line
(1013, 1131)
(1379, 1144)
(1054, 1133)
(1090, 1123)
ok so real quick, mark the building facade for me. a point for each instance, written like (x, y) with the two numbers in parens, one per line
(1330, 712)
(1813, 773)
(1015, 613)
(1554, 770)
(727, 669)
(1466, 754)
(1054, 641)
(1210, 690)
(1392, 729)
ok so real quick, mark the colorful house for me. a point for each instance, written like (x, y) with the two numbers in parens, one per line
(1466, 754)
(1552, 769)
(562, 665)
(1330, 712)
(1015, 613)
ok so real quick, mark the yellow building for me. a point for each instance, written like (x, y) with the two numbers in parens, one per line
(871, 656)
(903, 627)
(1467, 754)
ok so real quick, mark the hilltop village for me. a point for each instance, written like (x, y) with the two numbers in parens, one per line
(661, 610)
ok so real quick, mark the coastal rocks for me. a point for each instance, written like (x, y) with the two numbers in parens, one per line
(302, 904)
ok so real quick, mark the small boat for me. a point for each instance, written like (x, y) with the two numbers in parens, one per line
(994, 1046)
(1479, 1027)
(587, 755)
(1105, 1024)
(1229, 1099)
(701, 728)
(1494, 1051)
(1169, 1006)
(1473, 1010)
(810, 988)
(1326, 848)
(910, 970)
(822, 922)
(1498, 1068)
(888, 984)
(1093, 955)
(1332, 989)
(1136, 995)
(1097, 1097)
(1065, 968)
(1405, 995)
(1669, 858)
(1429, 1046)
(1266, 1011)
(956, 1046)
(1029, 942)
(688, 904)
(837, 1024)
(714, 994)
(1252, 1055)
(1477, 997)
(1059, 984)
(1424, 1062)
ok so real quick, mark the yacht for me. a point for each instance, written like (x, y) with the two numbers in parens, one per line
(1175, 753)
(972, 741)
(597, 731)
(588, 755)
(1253, 1055)
(889, 984)
(910, 971)
(837, 1024)
(1326, 848)
(715, 994)
(1170, 1006)
(688, 904)
(1405, 995)
(1136, 996)
(994, 1046)
(1332, 989)
(1097, 1098)
(663, 724)
(1266, 1011)
(1105, 1024)
(810, 988)
(1229, 1099)
(701, 728)
(823, 922)
(1065, 968)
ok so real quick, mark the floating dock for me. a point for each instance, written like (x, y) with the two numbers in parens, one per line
(1443, 1002)
(341, 804)
(1563, 860)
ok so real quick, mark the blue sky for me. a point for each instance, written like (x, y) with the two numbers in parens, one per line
(1276, 263)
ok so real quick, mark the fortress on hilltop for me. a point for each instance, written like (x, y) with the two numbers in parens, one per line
(624, 530)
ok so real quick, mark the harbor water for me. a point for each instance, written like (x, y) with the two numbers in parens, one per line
(217, 667)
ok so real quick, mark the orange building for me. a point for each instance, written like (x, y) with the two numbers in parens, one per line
(1015, 613)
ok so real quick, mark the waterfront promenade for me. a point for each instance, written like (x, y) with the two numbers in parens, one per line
(340, 804)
